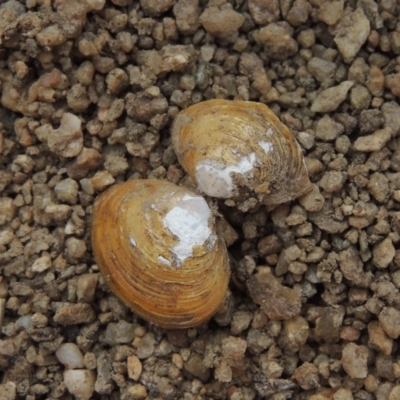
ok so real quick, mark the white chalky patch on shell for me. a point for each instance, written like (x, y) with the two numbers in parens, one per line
(188, 220)
(267, 146)
(164, 261)
(214, 178)
(132, 241)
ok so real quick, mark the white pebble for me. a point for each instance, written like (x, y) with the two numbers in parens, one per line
(70, 355)
(80, 383)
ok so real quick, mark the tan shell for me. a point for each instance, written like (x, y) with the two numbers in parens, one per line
(158, 250)
(239, 149)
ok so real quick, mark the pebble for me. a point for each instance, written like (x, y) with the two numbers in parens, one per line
(383, 253)
(194, 365)
(221, 22)
(329, 99)
(156, 7)
(146, 346)
(343, 394)
(299, 12)
(134, 366)
(354, 360)
(378, 339)
(332, 181)
(119, 332)
(277, 301)
(70, 355)
(42, 263)
(67, 191)
(72, 314)
(233, 349)
(294, 334)
(307, 376)
(101, 180)
(392, 82)
(75, 248)
(312, 201)
(327, 326)
(322, 70)
(351, 33)
(80, 383)
(277, 41)
(87, 160)
(264, 12)
(330, 12)
(187, 13)
(67, 140)
(374, 142)
(327, 129)
(58, 212)
(86, 287)
(8, 391)
(137, 392)
(378, 186)
(389, 318)
(240, 321)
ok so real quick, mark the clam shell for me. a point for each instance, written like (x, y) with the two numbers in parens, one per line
(239, 149)
(158, 250)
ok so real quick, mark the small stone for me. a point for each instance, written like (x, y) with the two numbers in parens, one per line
(233, 349)
(277, 41)
(374, 142)
(378, 186)
(221, 22)
(395, 393)
(67, 191)
(194, 365)
(327, 326)
(343, 394)
(58, 212)
(240, 321)
(330, 12)
(75, 248)
(87, 160)
(327, 129)
(354, 360)
(80, 383)
(375, 81)
(187, 13)
(42, 263)
(86, 287)
(389, 319)
(360, 97)
(72, 314)
(294, 334)
(383, 253)
(329, 99)
(134, 366)
(101, 180)
(307, 376)
(351, 33)
(156, 7)
(119, 332)
(264, 12)
(312, 201)
(392, 82)
(378, 339)
(277, 301)
(8, 391)
(223, 372)
(299, 12)
(146, 346)
(70, 356)
(7, 210)
(67, 140)
(137, 392)
(322, 70)
(332, 181)
(51, 36)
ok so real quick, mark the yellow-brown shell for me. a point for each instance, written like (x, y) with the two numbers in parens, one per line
(239, 149)
(156, 246)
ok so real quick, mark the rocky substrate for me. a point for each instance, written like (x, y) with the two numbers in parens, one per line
(89, 89)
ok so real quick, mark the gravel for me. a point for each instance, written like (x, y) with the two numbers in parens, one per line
(89, 89)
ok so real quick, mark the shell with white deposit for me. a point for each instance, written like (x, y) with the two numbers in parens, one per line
(158, 250)
(239, 149)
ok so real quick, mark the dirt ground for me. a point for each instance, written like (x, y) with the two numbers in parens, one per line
(89, 90)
